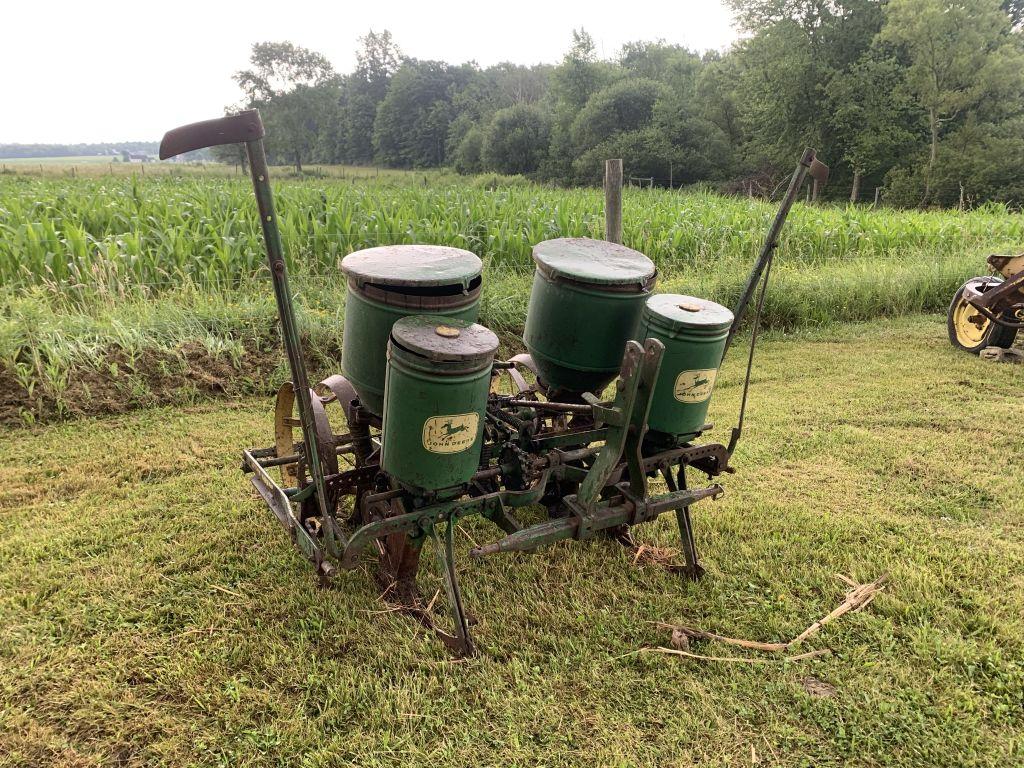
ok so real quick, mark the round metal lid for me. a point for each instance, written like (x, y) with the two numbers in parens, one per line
(593, 261)
(679, 312)
(444, 338)
(412, 265)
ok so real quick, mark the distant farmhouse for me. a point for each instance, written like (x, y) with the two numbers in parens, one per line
(135, 157)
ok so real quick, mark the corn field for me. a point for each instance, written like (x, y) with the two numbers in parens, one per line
(84, 236)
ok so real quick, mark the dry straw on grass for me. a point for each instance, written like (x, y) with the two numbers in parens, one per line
(858, 597)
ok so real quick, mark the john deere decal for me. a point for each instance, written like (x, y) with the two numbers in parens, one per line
(694, 386)
(450, 434)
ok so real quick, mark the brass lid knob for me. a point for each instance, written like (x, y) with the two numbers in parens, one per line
(447, 331)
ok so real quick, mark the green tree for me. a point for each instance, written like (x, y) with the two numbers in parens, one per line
(288, 83)
(411, 128)
(1015, 10)
(491, 89)
(572, 83)
(516, 84)
(670, 64)
(278, 68)
(645, 153)
(468, 156)
(377, 61)
(954, 50)
(718, 101)
(295, 121)
(626, 105)
(700, 149)
(783, 71)
(871, 116)
(580, 74)
(516, 140)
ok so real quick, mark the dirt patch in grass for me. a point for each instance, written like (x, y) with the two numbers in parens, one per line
(14, 398)
(116, 381)
(123, 382)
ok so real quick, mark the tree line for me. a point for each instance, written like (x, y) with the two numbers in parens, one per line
(10, 151)
(919, 98)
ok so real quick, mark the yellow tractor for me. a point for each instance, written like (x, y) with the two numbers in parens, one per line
(988, 311)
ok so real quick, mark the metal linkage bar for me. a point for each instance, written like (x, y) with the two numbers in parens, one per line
(289, 326)
(627, 418)
(280, 505)
(602, 517)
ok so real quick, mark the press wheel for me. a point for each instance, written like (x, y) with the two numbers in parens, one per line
(970, 331)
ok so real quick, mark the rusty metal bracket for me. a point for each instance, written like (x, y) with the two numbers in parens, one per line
(632, 403)
(996, 299)
(279, 504)
(461, 641)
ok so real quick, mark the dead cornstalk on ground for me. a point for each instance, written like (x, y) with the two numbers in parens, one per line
(858, 597)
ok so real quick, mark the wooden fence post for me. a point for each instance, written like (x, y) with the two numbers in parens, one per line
(613, 200)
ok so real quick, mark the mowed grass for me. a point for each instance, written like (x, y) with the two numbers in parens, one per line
(152, 611)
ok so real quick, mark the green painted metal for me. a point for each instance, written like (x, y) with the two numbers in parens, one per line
(625, 417)
(585, 304)
(289, 325)
(586, 526)
(438, 378)
(693, 331)
(388, 283)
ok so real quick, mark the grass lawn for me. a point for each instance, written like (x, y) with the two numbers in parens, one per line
(152, 611)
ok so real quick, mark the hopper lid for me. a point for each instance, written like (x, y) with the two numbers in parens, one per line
(444, 339)
(680, 312)
(597, 262)
(412, 265)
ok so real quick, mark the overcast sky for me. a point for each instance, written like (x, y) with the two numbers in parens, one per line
(116, 71)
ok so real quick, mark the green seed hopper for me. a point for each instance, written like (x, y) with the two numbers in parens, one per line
(388, 283)
(585, 304)
(438, 379)
(693, 331)
(612, 393)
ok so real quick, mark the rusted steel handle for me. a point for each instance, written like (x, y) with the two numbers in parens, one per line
(233, 129)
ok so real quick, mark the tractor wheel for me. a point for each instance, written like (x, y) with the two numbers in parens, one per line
(970, 331)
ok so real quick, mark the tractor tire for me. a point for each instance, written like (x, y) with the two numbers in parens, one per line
(971, 332)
